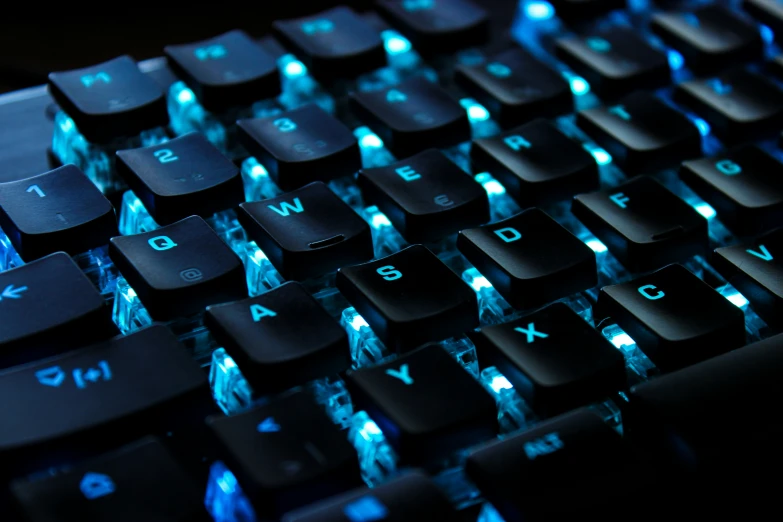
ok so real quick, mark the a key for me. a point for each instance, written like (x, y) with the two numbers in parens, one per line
(308, 232)
(426, 196)
(426, 404)
(438, 26)
(335, 43)
(643, 224)
(755, 268)
(286, 453)
(615, 62)
(141, 481)
(642, 133)
(179, 269)
(49, 306)
(58, 211)
(554, 359)
(530, 258)
(110, 100)
(301, 146)
(536, 163)
(88, 401)
(709, 38)
(581, 9)
(183, 177)
(409, 496)
(768, 12)
(413, 116)
(516, 88)
(674, 317)
(410, 298)
(739, 105)
(564, 466)
(230, 70)
(281, 338)
(744, 185)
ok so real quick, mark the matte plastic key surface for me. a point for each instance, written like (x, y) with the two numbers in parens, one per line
(183, 177)
(99, 397)
(410, 298)
(58, 211)
(674, 317)
(229, 70)
(110, 100)
(141, 481)
(49, 306)
(281, 338)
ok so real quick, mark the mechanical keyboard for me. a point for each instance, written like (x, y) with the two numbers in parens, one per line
(401, 260)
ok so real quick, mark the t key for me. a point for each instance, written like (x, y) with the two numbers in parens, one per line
(745, 185)
(755, 269)
(286, 453)
(629, 220)
(413, 116)
(674, 317)
(179, 269)
(49, 306)
(229, 70)
(615, 62)
(530, 258)
(426, 197)
(308, 232)
(516, 87)
(110, 100)
(58, 211)
(183, 177)
(642, 133)
(281, 338)
(426, 404)
(410, 298)
(536, 163)
(301, 146)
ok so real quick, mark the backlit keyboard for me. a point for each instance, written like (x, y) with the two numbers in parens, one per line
(412, 260)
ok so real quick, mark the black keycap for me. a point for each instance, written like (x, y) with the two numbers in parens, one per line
(768, 12)
(229, 70)
(281, 338)
(49, 306)
(615, 62)
(709, 38)
(90, 400)
(183, 177)
(426, 196)
(755, 269)
(745, 185)
(426, 404)
(413, 116)
(570, 465)
(581, 9)
(529, 258)
(412, 495)
(308, 232)
(554, 359)
(301, 146)
(335, 43)
(440, 26)
(674, 317)
(516, 87)
(536, 163)
(642, 133)
(739, 105)
(141, 481)
(58, 211)
(179, 269)
(643, 224)
(110, 100)
(410, 298)
(286, 453)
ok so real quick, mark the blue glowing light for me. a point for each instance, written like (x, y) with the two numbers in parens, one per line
(705, 210)
(733, 295)
(365, 509)
(374, 154)
(385, 238)
(492, 307)
(230, 389)
(513, 411)
(134, 217)
(600, 155)
(291, 67)
(260, 272)
(489, 514)
(96, 485)
(596, 246)
(539, 10)
(9, 257)
(377, 459)
(676, 61)
(225, 500)
(395, 43)
(366, 348)
(635, 359)
(258, 184)
(476, 111)
(767, 34)
(501, 204)
(187, 115)
(128, 312)
(579, 85)
(703, 126)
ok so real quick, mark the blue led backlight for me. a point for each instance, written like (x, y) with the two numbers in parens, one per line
(395, 43)
(134, 217)
(513, 411)
(703, 126)
(261, 274)
(366, 348)
(374, 152)
(635, 359)
(733, 295)
(600, 155)
(579, 86)
(705, 210)
(539, 10)
(9, 258)
(596, 246)
(128, 312)
(225, 500)
(377, 459)
(767, 34)
(230, 389)
(500, 203)
(676, 61)
(492, 307)
(476, 111)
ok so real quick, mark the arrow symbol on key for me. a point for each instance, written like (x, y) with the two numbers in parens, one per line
(12, 293)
